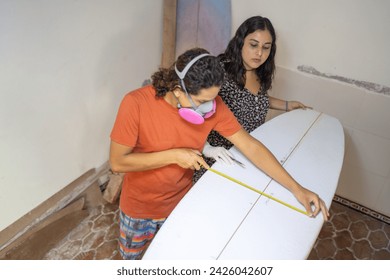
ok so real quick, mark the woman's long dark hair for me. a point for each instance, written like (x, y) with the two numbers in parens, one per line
(234, 65)
(205, 73)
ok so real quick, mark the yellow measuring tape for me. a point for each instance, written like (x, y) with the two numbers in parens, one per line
(256, 190)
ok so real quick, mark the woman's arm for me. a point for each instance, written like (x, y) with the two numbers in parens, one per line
(260, 156)
(284, 105)
(122, 159)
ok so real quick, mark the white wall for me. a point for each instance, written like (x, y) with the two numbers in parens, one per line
(64, 67)
(347, 38)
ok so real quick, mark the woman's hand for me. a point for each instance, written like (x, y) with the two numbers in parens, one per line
(122, 159)
(309, 199)
(189, 158)
(292, 105)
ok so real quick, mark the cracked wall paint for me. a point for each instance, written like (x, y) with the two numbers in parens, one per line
(361, 84)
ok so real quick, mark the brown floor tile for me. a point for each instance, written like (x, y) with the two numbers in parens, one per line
(313, 255)
(336, 208)
(81, 231)
(344, 254)
(72, 247)
(109, 208)
(107, 250)
(353, 214)
(65, 251)
(362, 250)
(381, 255)
(374, 224)
(117, 256)
(343, 239)
(112, 232)
(102, 221)
(93, 240)
(326, 249)
(327, 231)
(378, 240)
(386, 229)
(359, 230)
(89, 255)
(340, 221)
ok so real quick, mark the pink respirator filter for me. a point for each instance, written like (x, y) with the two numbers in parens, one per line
(196, 117)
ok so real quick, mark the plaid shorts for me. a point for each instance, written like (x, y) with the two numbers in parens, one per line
(136, 235)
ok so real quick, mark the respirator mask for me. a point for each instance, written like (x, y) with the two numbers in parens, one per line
(196, 114)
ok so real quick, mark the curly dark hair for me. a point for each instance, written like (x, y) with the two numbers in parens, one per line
(205, 73)
(233, 59)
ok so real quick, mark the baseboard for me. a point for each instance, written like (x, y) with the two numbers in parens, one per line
(362, 209)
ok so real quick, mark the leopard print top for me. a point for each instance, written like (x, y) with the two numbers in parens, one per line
(249, 109)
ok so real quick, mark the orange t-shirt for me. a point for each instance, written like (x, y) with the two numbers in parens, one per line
(150, 124)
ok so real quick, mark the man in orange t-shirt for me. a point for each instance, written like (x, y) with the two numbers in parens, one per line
(157, 140)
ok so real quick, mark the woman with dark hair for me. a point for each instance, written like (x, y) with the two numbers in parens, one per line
(156, 141)
(249, 63)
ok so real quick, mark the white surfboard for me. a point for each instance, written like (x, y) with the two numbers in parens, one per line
(220, 219)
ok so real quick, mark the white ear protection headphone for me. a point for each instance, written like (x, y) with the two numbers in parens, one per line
(196, 114)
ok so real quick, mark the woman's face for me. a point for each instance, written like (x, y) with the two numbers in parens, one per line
(256, 49)
(204, 95)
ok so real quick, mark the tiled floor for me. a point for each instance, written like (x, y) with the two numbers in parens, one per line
(352, 235)
(348, 235)
(96, 238)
